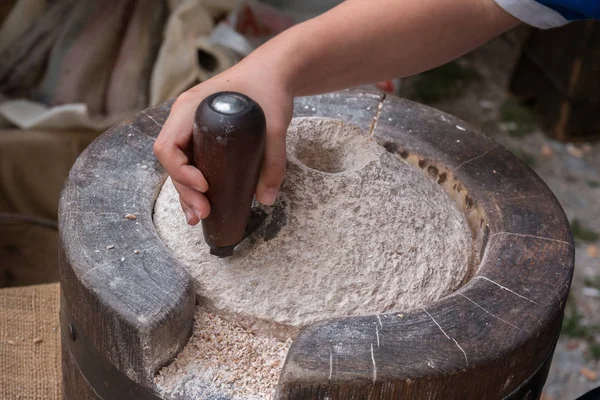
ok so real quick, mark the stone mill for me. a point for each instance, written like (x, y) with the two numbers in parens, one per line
(407, 256)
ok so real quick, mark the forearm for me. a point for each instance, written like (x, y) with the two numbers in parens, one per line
(365, 41)
(358, 42)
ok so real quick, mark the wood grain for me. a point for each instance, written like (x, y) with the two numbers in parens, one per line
(491, 339)
(136, 309)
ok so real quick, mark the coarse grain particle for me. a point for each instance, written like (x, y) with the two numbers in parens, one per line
(130, 217)
(223, 360)
(136, 251)
(38, 340)
(110, 247)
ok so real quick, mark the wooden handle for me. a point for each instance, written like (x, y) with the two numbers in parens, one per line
(229, 142)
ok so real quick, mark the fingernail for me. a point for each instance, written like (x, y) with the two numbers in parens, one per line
(268, 196)
(188, 216)
(198, 214)
(199, 189)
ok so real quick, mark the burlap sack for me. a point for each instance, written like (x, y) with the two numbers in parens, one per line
(186, 23)
(22, 15)
(189, 21)
(129, 85)
(23, 59)
(27, 114)
(6, 7)
(81, 60)
(30, 366)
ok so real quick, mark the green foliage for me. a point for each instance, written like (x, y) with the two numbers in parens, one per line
(582, 233)
(444, 82)
(512, 111)
(574, 328)
(595, 350)
(593, 184)
(593, 282)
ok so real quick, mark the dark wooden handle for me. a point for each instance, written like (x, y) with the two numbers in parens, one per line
(229, 141)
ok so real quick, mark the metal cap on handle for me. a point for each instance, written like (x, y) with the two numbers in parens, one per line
(229, 103)
(229, 142)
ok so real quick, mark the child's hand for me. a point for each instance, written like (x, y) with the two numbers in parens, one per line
(352, 44)
(253, 79)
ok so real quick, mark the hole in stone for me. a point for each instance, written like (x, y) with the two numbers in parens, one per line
(328, 145)
(314, 156)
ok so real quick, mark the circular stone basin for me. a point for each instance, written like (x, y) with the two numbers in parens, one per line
(354, 231)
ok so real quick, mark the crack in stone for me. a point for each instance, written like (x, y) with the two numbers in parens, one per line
(376, 116)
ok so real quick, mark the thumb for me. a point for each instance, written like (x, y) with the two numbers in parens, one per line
(273, 167)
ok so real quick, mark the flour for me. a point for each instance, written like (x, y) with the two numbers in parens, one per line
(354, 231)
(223, 362)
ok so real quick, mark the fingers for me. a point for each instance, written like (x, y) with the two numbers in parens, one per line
(171, 148)
(174, 139)
(194, 204)
(190, 217)
(273, 167)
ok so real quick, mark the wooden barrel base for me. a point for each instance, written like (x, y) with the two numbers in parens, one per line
(88, 372)
(132, 303)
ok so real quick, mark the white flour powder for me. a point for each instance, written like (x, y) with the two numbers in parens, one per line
(355, 231)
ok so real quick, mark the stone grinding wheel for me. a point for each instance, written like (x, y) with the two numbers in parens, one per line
(126, 313)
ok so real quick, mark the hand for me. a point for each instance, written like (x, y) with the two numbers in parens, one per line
(255, 80)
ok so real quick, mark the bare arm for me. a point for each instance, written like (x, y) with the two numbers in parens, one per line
(363, 41)
(357, 42)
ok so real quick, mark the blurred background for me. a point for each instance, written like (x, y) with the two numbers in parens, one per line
(70, 69)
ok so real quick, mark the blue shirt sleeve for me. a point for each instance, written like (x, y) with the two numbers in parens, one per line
(574, 9)
(546, 14)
